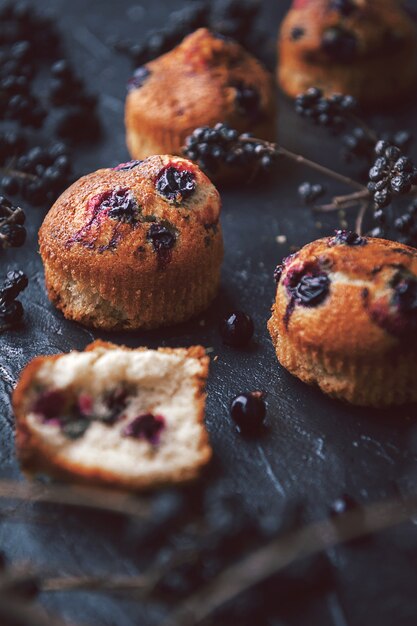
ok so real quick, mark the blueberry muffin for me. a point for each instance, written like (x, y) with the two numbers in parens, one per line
(365, 48)
(136, 246)
(113, 416)
(345, 318)
(205, 80)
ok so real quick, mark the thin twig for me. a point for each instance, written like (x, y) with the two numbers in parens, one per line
(17, 173)
(142, 584)
(343, 202)
(298, 158)
(301, 160)
(360, 217)
(79, 496)
(274, 557)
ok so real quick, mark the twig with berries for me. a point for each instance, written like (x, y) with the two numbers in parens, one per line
(392, 174)
(263, 563)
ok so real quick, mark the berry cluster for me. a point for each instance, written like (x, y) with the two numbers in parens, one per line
(29, 43)
(391, 174)
(222, 145)
(11, 310)
(333, 111)
(230, 18)
(12, 231)
(38, 174)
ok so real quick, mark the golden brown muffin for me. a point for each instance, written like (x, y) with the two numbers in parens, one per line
(365, 48)
(136, 246)
(345, 318)
(112, 416)
(204, 80)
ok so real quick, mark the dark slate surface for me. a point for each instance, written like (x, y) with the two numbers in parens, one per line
(314, 448)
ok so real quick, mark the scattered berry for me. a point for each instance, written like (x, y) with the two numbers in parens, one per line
(236, 329)
(248, 411)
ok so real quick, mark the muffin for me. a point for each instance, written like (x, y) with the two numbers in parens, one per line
(365, 48)
(114, 416)
(345, 318)
(205, 80)
(136, 246)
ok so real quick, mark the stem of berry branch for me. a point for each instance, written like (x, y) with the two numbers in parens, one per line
(72, 495)
(360, 217)
(343, 202)
(275, 556)
(298, 158)
(17, 173)
(140, 585)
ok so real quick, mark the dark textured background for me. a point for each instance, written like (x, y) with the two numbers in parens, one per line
(314, 448)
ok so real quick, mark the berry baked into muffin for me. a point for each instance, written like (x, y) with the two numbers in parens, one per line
(365, 48)
(114, 416)
(136, 246)
(345, 318)
(205, 80)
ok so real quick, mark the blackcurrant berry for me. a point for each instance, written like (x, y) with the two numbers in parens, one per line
(248, 411)
(236, 329)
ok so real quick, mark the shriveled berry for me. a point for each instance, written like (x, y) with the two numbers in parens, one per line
(175, 184)
(311, 290)
(236, 329)
(16, 281)
(248, 411)
(161, 236)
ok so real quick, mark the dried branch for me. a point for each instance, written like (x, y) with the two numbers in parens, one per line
(79, 496)
(271, 559)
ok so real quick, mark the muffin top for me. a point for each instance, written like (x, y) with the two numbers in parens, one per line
(343, 31)
(205, 79)
(142, 214)
(349, 294)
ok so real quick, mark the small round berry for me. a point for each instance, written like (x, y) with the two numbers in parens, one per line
(343, 504)
(248, 411)
(236, 329)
